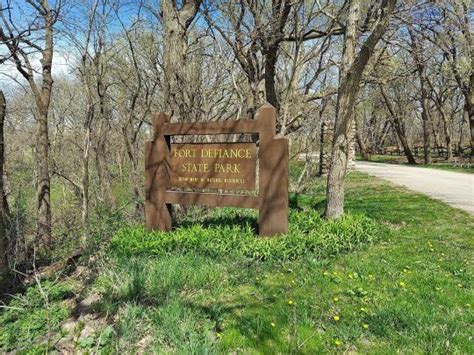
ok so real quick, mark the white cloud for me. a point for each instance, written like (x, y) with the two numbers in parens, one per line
(63, 64)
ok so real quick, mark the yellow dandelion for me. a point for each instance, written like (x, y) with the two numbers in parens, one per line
(336, 318)
(335, 299)
(290, 302)
(273, 324)
(365, 326)
(338, 342)
(218, 335)
(401, 284)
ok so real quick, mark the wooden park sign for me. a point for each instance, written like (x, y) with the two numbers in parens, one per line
(222, 166)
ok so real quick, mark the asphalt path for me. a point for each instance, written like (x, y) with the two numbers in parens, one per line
(456, 189)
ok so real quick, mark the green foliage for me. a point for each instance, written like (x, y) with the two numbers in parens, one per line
(31, 315)
(411, 291)
(149, 296)
(220, 235)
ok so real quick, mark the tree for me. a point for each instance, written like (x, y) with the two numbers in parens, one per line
(20, 48)
(397, 124)
(416, 51)
(353, 66)
(176, 21)
(3, 235)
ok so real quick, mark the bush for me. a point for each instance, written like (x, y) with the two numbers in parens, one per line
(33, 315)
(227, 233)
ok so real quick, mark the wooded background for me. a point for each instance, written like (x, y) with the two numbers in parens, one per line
(81, 78)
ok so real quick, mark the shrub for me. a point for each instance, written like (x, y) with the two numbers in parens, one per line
(308, 234)
(33, 315)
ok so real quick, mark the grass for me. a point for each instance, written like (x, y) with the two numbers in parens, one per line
(442, 165)
(466, 168)
(232, 232)
(410, 291)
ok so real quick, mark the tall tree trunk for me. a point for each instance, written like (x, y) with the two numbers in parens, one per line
(43, 229)
(176, 21)
(325, 139)
(85, 173)
(447, 135)
(425, 115)
(348, 87)
(398, 127)
(135, 173)
(426, 131)
(43, 100)
(347, 94)
(360, 142)
(470, 107)
(271, 95)
(326, 135)
(351, 155)
(42, 94)
(103, 173)
(4, 270)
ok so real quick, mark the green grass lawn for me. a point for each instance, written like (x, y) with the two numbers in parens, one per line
(407, 290)
(451, 167)
(442, 165)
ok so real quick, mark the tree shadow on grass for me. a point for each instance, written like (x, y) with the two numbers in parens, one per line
(299, 201)
(247, 319)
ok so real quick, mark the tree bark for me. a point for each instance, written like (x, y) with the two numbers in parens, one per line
(425, 114)
(271, 45)
(447, 134)
(43, 100)
(43, 230)
(347, 94)
(360, 142)
(326, 135)
(86, 145)
(4, 270)
(270, 73)
(42, 95)
(398, 127)
(176, 22)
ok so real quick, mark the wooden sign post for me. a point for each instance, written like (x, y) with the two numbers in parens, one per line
(228, 166)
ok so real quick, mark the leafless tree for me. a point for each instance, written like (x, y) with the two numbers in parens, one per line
(3, 235)
(353, 67)
(21, 46)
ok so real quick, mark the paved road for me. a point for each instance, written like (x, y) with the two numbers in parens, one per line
(456, 189)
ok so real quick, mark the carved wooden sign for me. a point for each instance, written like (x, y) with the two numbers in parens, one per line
(229, 166)
(223, 166)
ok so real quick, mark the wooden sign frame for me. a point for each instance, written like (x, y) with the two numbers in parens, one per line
(272, 199)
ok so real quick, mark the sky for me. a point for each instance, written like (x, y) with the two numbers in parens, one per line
(73, 21)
